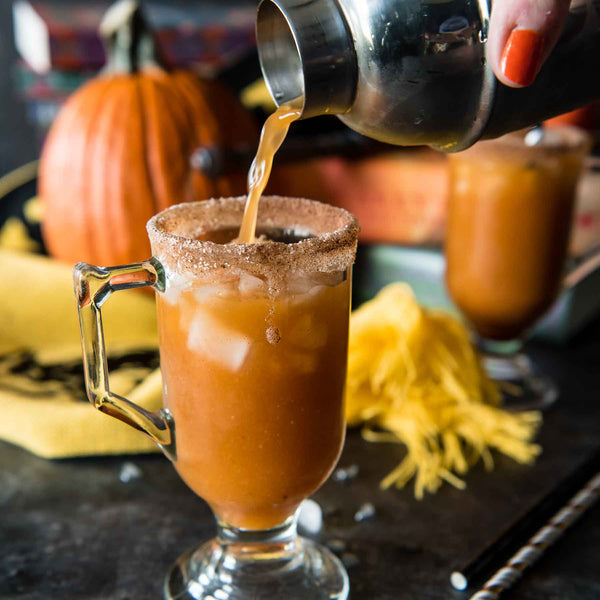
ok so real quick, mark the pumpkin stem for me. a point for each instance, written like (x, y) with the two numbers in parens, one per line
(129, 43)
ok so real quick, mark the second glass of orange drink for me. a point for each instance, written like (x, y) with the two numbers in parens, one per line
(509, 219)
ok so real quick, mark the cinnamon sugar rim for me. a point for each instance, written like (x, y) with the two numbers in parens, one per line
(173, 235)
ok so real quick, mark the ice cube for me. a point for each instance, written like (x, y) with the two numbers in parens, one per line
(316, 290)
(208, 291)
(217, 342)
(174, 286)
(313, 292)
(251, 285)
(311, 517)
(171, 294)
(299, 285)
(305, 283)
(329, 279)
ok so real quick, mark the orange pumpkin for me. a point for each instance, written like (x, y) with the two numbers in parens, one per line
(119, 151)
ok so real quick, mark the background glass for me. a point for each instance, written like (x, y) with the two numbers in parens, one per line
(509, 219)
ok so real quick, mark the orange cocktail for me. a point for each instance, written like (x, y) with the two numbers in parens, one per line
(509, 219)
(255, 385)
(253, 354)
(253, 346)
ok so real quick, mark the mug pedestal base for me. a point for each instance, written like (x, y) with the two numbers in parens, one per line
(308, 572)
(521, 388)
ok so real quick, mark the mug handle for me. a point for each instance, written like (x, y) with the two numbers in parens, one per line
(93, 286)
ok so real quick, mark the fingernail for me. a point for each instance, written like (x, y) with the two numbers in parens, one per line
(521, 56)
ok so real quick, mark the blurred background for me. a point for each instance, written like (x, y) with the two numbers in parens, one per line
(49, 48)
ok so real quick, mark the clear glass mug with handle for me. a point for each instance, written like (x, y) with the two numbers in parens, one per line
(253, 347)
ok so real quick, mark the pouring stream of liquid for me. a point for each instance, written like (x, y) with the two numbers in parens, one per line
(273, 133)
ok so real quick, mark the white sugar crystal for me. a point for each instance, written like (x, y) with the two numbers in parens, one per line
(345, 474)
(217, 342)
(129, 471)
(310, 519)
(365, 512)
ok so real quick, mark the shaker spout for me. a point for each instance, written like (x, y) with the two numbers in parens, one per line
(307, 55)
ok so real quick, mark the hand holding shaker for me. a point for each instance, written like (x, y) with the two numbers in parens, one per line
(411, 72)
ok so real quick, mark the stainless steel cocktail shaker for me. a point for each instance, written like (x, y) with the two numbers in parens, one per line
(412, 72)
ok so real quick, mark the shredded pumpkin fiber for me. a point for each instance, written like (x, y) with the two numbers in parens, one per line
(415, 378)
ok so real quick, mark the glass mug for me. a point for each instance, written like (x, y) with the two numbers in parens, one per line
(510, 211)
(253, 347)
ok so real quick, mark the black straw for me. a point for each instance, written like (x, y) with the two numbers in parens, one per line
(522, 529)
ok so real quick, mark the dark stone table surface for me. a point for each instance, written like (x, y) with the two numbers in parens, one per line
(70, 529)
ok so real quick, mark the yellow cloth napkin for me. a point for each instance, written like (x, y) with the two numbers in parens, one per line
(42, 394)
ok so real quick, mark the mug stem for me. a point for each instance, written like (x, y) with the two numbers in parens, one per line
(270, 564)
(521, 388)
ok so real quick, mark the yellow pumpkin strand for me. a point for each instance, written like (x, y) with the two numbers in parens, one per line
(414, 378)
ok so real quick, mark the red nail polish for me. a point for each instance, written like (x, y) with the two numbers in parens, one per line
(521, 56)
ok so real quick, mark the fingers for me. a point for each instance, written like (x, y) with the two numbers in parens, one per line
(522, 35)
